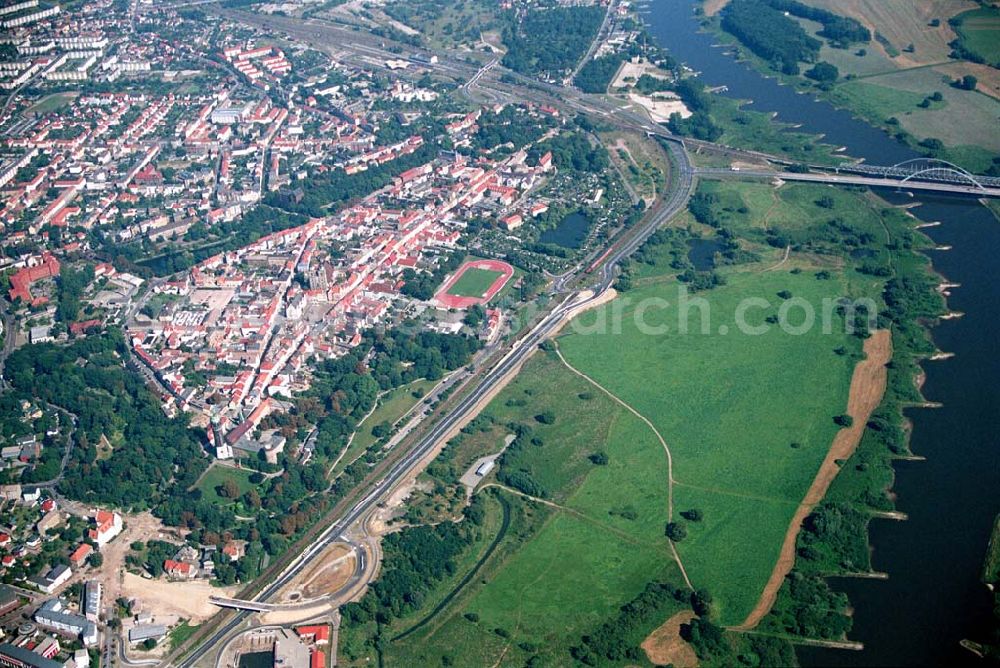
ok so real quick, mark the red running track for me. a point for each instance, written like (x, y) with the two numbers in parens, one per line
(454, 301)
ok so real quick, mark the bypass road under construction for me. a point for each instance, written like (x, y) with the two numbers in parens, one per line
(572, 291)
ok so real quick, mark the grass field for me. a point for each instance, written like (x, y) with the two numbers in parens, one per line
(50, 103)
(980, 32)
(536, 574)
(215, 476)
(904, 22)
(180, 633)
(730, 406)
(898, 94)
(474, 282)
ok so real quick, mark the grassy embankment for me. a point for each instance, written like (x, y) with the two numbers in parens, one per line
(391, 407)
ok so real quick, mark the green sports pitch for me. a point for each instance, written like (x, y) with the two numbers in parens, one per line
(474, 282)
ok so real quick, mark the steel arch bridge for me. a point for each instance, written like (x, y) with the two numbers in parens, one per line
(927, 169)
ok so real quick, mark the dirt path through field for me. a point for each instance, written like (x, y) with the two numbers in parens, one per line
(867, 387)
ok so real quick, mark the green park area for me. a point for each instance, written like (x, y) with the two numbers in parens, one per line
(474, 282)
(215, 481)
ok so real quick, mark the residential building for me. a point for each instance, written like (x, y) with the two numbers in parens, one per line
(92, 595)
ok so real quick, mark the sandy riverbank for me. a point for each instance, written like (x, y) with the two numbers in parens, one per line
(867, 387)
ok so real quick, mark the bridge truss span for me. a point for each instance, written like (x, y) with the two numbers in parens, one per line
(926, 169)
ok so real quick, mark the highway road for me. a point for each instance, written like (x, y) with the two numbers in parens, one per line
(682, 188)
(337, 39)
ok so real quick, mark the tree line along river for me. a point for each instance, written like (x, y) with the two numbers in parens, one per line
(933, 597)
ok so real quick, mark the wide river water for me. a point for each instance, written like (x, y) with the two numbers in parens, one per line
(933, 597)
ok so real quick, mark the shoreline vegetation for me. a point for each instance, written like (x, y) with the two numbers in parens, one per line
(913, 98)
(556, 490)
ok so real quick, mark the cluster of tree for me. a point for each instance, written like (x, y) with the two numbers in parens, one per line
(618, 639)
(336, 185)
(423, 14)
(152, 455)
(70, 286)
(151, 555)
(572, 150)
(910, 300)
(414, 561)
(698, 125)
(837, 529)
(513, 466)
(968, 82)
(770, 34)
(252, 225)
(244, 570)
(823, 72)
(551, 40)
(421, 285)
(511, 126)
(842, 31)
(808, 608)
(596, 75)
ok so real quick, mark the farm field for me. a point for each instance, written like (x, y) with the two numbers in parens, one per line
(887, 78)
(474, 282)
(601, 524)
(904, 22)
(730, 407)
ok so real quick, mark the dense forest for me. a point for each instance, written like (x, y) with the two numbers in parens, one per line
(770, 34)
(414, 561)
(511, 126)
(144, 454)
(766, 28)
(551, 41)
(346, 388)
(596, 75)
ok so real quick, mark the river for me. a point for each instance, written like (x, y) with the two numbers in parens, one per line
(933, 597)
